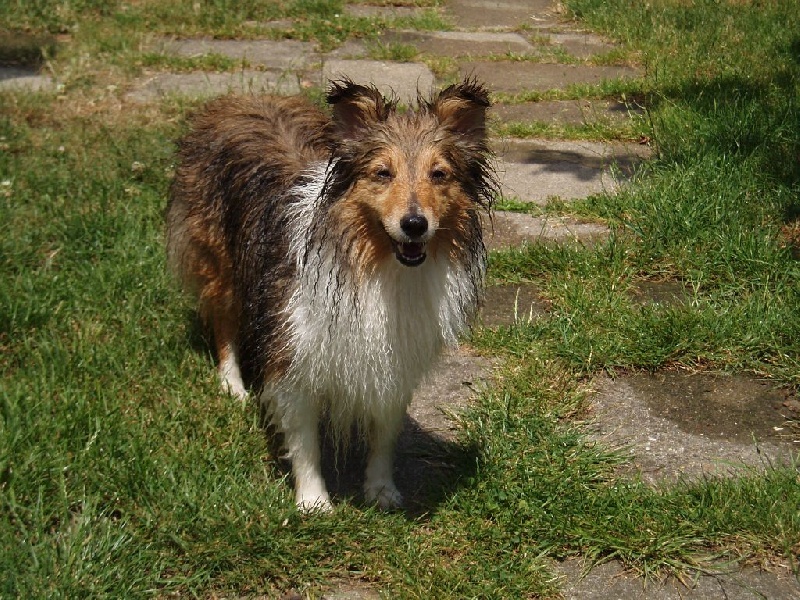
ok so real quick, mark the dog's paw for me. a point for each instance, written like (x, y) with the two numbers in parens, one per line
(310, 505)
(313, 503)
(384, 494)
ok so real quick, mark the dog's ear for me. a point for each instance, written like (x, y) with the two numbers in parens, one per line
(461, 108)
(356, 108)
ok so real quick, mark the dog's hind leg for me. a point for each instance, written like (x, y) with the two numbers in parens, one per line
(384, 428)
(224, 323)
(230, 374)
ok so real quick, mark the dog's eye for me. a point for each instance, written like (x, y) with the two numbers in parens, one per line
(383, 174)
(439, 175)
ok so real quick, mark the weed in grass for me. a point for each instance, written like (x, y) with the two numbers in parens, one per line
(594, 129)
(393, 51)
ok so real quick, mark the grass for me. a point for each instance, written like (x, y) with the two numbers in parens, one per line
(125, 473)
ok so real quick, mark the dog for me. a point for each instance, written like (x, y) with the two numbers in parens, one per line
(334, 257)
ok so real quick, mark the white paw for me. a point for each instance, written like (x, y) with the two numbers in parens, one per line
(235, 389)
(231, 379)
(311, 504)
(383, 493)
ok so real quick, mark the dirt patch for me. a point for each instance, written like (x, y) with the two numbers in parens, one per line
(510, 304)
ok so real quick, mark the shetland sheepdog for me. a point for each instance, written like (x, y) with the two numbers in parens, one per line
(333, 257)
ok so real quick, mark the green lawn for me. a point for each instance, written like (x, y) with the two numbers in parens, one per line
(125, 473)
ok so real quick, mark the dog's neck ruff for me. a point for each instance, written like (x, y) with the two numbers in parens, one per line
(368, 334)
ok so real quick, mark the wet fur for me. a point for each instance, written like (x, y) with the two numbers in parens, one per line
(333, 257)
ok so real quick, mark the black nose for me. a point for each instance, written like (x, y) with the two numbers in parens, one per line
(414, 225)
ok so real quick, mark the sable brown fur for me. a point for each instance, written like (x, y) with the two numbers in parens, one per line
(333, 257)
(241, 153)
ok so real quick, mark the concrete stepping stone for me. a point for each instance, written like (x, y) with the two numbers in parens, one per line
(612, 580)
(366, 11)
(461, 43)
(509, 230)
(677, 425)
(459, 375)
(345, 592)
(204, 85)
(579, 44)
(500, 14)
(565, 112)
(281, 55)
(514, 77)
(404, 80)
(22, 79)
(536, 170)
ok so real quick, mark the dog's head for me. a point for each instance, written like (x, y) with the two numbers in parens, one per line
(411, 182)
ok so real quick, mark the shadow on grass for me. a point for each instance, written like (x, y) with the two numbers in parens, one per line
(428, 468)
(741, 117)
(19, 49)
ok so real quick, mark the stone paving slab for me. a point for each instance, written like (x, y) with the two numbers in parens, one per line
(461, 43)
(206, 85)
(565, 112)
(282, 55)
(677, 425)
(579, 43)
(383, 12)
(536, 170)
(610, 581)
(404, 80)
(500, 14)
(512, 230)
(515, 77)
(16, 78)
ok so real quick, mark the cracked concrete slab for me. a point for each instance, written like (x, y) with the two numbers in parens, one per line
(512, 230)
(366, 11)
(500, 14)
(523, 76)
(281, 55)
(610, 581)
(565, 112)
(23, 79)
(511, 304)
(580, 44)
(536, 170)
(461, 43)
(404, 80)
(205, 85)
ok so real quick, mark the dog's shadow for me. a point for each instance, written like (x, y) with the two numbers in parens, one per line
(428, 469)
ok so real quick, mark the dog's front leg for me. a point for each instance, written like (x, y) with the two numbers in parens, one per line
(299, 421)
(385, 426)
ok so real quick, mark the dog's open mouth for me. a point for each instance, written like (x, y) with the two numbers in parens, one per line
(411, 254)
